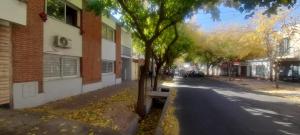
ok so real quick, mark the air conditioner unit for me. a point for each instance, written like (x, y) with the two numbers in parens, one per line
(25, 1)
(62, 42)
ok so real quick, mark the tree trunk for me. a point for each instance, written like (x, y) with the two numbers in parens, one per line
(276, 76)
(229, 70)
(213, 70)
(152, 71)
(271, 71)
(158, 66)
(207, 69)
(140, 108)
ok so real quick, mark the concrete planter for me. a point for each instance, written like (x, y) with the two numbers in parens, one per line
(159, 130)
(132, 125)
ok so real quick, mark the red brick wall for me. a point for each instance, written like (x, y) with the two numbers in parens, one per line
(118, 65)
(91, 59)
(28, 46)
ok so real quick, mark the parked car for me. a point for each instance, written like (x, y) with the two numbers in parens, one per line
(193, 73)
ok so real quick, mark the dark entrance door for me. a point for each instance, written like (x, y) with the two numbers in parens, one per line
(126, 69)
(243, 71)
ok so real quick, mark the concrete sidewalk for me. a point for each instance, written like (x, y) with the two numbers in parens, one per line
(107, 111)
(288, 90)
(20, 123)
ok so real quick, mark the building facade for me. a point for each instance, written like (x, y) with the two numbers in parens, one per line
(259, 68)
(126, 54)
(289, 57)
(290, 62)
(13, 14)
(54, 49)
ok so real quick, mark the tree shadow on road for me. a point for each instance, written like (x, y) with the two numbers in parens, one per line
(210, 107)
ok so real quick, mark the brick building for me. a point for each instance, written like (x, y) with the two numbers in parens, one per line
(48, 54)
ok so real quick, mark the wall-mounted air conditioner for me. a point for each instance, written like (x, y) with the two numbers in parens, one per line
(25, 1)
(62, 42)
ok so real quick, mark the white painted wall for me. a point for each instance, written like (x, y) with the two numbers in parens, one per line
(13, 11)
(108, 79)
(118, 80)
(134, 71)
(108, 53)
(295, 45)
(212, 71)
(54, 27)
(92, 87)
(58, 89)
(26, 94)
(77, 3)
(254, 63)
(108, 50)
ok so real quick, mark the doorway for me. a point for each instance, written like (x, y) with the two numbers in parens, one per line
(126, 69)
(243, 71)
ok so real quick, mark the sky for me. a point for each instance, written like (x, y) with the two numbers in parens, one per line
(228, 16)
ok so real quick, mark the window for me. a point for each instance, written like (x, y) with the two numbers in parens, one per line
(108, 32)
(285, 46)
(107, 66)
(71, 16)
(56, 8)
(126, 51)
(52, 66)
(70, 66)
(63, 11)
(260, 70)
(57, 66)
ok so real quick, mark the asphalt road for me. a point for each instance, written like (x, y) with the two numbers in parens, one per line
(210, 107)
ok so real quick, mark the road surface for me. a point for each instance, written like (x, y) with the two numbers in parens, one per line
(211, 107)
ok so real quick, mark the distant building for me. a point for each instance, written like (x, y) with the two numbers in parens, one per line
(126, 54)
(290, 60)
(137, 61)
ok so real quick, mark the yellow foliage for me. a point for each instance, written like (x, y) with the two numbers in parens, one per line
(170, 123)
(227, 43)
(94, 113)
(270, 32)
(148, 125)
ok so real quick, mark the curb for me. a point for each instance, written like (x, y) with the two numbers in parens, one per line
(159, 130)
(133, 126)
(134, 123)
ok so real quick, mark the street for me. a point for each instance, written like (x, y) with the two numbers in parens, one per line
(211, 107)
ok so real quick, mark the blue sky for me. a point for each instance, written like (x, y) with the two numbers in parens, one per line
(228, 16)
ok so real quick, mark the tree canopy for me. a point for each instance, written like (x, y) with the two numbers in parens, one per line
(148, 19)
(233, 43)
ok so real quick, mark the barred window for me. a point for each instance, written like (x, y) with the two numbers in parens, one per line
(107, 66)
(52, 65)
(57, 66)
(70, 66)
